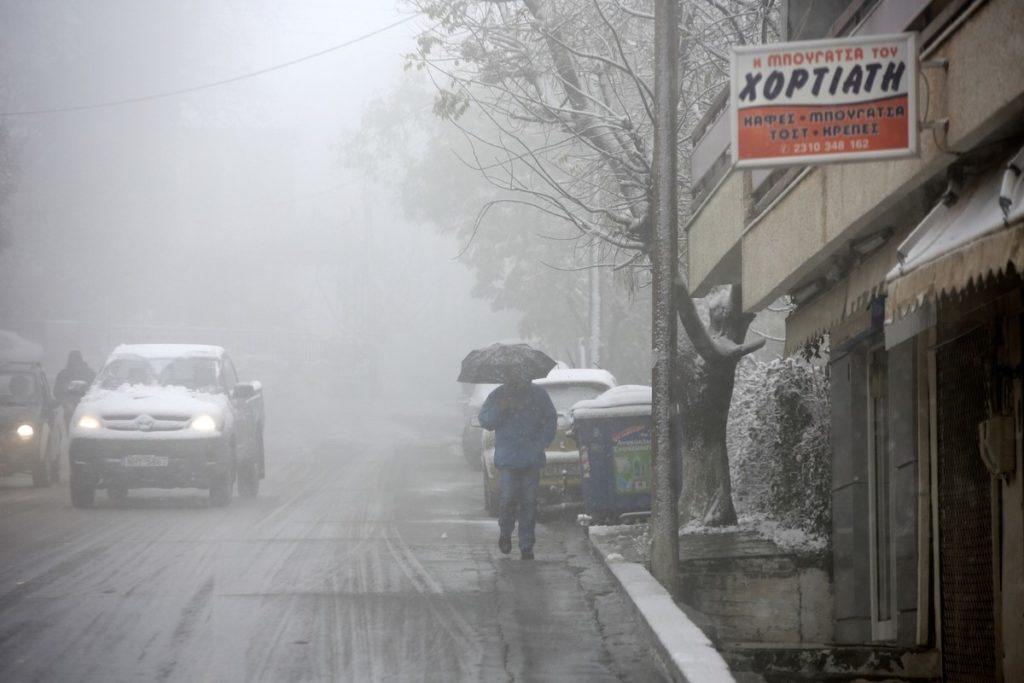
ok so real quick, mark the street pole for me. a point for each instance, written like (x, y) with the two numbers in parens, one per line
(664, 256)
(595, 308)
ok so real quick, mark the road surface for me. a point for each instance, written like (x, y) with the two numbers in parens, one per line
(366, 557)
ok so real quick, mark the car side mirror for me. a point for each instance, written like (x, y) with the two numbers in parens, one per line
(78, 388)
(243, 391)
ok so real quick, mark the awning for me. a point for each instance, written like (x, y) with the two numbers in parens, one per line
(845, 304)
(955, 246)
(815, 318)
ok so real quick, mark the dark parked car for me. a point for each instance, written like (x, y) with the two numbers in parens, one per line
(32, 435)
(167, 416)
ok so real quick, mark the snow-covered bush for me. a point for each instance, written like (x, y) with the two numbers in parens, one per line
(779, 444)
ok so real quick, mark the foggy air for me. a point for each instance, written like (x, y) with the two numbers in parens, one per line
(234, 298)
(511, 340)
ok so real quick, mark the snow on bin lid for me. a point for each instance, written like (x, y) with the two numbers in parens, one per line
(576, 376)
(628, 400)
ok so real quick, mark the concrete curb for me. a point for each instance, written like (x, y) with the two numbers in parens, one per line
(685, 651)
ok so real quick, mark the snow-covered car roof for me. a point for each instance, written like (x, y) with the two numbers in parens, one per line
(628, 400)
(168, 351)
(16, 349)
(577, 376)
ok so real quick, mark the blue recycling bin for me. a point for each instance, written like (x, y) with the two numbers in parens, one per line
(614, 435)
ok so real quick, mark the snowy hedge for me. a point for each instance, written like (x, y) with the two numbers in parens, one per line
(779, 444)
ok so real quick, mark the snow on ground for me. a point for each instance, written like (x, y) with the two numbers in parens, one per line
(793, 540)
(630, 541)
(633, 541)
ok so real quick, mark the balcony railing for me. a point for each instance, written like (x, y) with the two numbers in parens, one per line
(710, 159)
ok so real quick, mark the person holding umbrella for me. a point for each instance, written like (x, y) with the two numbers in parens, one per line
(524, 421)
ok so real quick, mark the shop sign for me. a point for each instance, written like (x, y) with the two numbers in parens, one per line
(820, 101)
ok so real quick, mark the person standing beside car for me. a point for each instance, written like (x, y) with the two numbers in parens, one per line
(76, 370)
(524, 421)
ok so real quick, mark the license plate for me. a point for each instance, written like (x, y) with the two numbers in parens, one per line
(555, 472)
(145, 461)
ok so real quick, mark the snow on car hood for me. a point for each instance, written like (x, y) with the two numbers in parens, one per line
(137, 399)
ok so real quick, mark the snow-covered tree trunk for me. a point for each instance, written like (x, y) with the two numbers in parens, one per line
(704, 397)
(704, 392)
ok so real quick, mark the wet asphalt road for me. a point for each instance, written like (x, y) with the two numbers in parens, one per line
(366, 557)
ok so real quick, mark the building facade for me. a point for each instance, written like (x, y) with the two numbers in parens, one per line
(909, 271)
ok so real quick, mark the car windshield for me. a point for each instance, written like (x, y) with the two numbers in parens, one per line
(564, 396)
(18, 388)
(197, 374)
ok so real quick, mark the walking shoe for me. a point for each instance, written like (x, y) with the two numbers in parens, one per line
(505, 544)
(526, 554)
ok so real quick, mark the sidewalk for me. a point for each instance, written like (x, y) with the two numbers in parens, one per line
(685, 651)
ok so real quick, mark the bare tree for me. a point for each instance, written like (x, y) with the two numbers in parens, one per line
(565, 90)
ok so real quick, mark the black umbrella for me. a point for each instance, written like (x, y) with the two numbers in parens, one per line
(501, 363)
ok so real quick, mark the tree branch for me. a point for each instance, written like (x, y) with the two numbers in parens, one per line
(711, 349)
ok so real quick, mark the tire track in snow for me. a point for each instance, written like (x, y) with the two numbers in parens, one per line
(196, 607)
(303, 572)
(469, 649)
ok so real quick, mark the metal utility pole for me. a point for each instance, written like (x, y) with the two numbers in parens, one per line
(664, 258)
(594, 275)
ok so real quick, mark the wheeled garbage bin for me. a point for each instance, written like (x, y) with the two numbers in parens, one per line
(614, 435)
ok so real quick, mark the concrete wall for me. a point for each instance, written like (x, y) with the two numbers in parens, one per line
(754, 592)
(985, 84)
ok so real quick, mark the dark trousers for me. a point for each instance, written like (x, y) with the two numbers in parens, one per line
(519, 501)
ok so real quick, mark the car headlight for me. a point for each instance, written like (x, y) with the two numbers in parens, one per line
(88, 422)
(25, 431)
(204, 423)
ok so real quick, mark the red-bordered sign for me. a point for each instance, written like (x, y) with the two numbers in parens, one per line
(819, 101)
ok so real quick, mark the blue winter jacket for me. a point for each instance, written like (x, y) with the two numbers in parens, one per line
(524, 421)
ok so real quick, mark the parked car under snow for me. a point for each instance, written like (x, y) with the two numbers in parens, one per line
(167, 416)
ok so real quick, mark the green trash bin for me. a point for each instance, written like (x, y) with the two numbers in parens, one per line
(614, 435)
